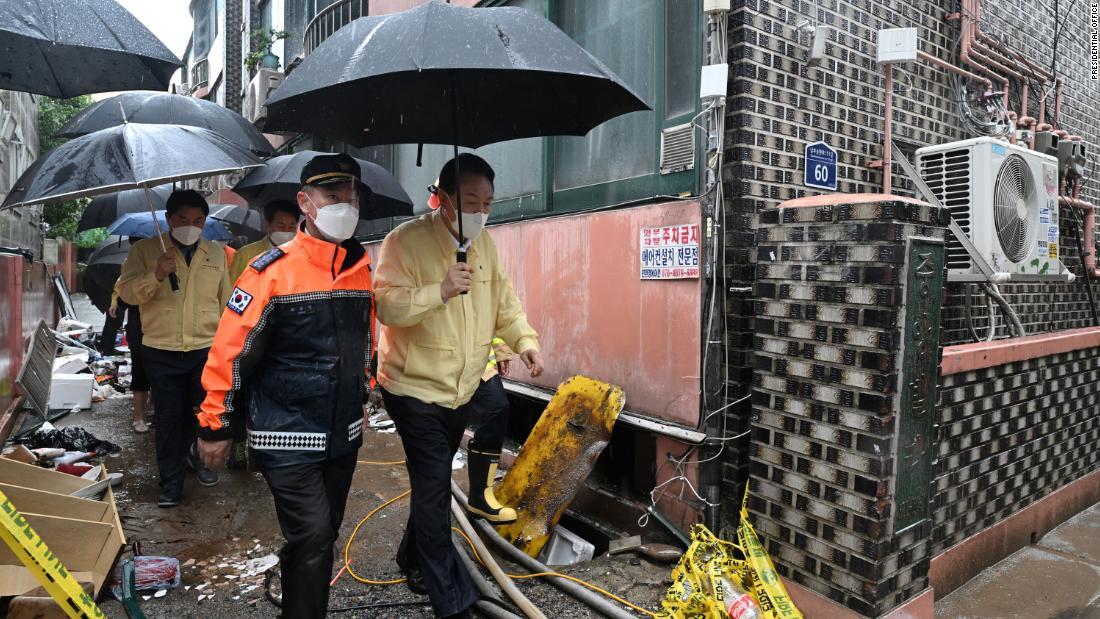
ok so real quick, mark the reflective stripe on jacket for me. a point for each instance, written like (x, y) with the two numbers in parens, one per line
(293, 352)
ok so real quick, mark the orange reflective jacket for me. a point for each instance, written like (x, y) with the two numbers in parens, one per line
(293, 352)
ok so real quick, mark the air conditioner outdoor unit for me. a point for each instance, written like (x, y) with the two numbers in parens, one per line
(259, 89)
(1005, 198)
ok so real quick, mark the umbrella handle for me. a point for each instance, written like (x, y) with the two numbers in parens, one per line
(460, 256)
(173, 280)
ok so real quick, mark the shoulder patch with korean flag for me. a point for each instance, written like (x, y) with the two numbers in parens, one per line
(238, 300)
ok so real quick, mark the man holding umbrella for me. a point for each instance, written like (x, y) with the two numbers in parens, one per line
(438, 318)
(291, 357)
(282, 224)
(178, 328)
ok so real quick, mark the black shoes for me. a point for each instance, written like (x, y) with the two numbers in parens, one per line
(170, 498)
(205, 476)
(415, 581)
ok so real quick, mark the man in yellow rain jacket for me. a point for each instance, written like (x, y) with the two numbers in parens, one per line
(282, 224)
(177, 329)
(438, 318)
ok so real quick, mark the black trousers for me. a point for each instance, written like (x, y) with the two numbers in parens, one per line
(176, 381)
(431, 435)
(489, 416)
(110, 330)
(309, 500)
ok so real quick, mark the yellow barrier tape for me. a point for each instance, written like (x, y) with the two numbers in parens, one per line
(43, 564)
(697, 592)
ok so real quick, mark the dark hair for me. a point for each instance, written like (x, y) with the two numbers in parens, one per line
(469, 163)
(280, 206)
(185, 197)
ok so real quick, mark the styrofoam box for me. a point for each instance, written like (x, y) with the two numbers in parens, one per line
(68, 391)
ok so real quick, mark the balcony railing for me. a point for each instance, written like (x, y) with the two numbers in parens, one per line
(332, 18)
(199, 74)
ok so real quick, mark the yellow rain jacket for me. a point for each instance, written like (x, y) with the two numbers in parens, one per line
(244, 256)
(433, 351)
(180, 321)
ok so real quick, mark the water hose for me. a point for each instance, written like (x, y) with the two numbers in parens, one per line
(506, 584)
(488, 604)
(564, 581)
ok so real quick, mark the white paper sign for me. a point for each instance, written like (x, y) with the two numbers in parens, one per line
(670, 252)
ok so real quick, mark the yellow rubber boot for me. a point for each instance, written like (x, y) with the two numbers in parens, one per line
(482, 501)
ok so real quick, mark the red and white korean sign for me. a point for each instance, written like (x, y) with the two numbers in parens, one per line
(670, 252)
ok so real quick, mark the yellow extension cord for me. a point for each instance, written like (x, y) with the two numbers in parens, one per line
(351, 539)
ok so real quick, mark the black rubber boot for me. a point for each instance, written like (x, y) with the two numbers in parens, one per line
(482, 501)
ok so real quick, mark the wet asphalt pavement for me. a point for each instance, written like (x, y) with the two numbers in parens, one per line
(217, 529)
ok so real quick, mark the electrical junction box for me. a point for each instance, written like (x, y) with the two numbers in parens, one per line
(897, 45)
(817, 47)
(715, 6)
(714, 81)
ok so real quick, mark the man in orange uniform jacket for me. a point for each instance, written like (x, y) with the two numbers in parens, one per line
(289, 357)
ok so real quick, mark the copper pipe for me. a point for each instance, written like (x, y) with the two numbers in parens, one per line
(1062, 134)
(1057, 120)
(1076, 138)
(991, 41)
(947, 66)
(1089, 240)
(1023, 109)
(887, 131)
(1043, 127)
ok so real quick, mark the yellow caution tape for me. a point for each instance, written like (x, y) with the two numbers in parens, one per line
(697, 592)
(43, 564)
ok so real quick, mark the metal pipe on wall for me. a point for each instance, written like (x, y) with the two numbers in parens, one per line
(888, 127)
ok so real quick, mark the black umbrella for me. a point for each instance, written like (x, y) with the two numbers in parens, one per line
(409, 77)
(104, 210)
(65, 48)
(280, 179)
(162, 108)
(130, 156)
(241, 220)
(103, 269)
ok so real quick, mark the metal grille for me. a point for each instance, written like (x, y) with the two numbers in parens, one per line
(678, 149)
(947, 174)
(1013, 206)
(36, 375)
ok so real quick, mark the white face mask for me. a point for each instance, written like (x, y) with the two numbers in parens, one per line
(278, 238)
(187, 235)
(336, 222)
(472, 224)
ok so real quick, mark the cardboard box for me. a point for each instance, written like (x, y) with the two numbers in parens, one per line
(86, 535)
(71, 390)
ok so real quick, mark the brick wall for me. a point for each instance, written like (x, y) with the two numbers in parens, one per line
(1009, 435)
(832, 440)
(777, 104)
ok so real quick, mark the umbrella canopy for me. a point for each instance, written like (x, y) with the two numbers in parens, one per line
(129, 156)
(106, 208)
(240, 220)
(141, 224)
(103, 269)
(162, 108)
(281, 178)
(65, 48)
(506, 73)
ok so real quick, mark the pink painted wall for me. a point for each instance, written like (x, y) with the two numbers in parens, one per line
(382, 7)
(578, 278)
(26, 296)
